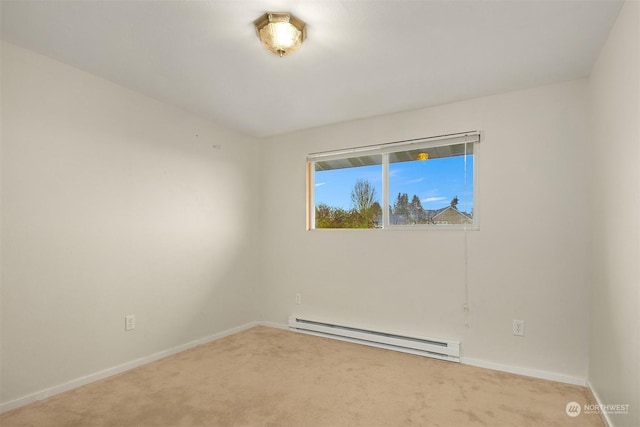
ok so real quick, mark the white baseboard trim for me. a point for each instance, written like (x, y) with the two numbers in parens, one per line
(603, 414)
(552, 376)
(274, 325)
(78, 382)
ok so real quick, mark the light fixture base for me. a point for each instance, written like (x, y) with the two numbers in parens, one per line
(280, 32)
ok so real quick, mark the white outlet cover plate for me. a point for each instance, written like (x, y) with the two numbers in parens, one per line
(129, 322)
(518, 327)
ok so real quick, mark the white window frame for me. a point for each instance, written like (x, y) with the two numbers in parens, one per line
(472, 137)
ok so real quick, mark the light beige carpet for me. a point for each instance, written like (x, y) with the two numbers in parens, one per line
(270, 377)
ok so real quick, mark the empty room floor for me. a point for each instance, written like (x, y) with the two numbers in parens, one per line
(270, 377)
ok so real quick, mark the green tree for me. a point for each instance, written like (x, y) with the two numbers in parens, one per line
(401, 205)
(363, 195)
(366, 211)
(454, 202)
(332, 217)
(400, 209)
(365, 205)
(376, 214)
(416, 213)
(323, 216)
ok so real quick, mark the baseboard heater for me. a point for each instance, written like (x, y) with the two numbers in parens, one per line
(430, 347)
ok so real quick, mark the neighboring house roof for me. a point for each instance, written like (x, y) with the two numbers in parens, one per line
(448, 214)
(452, 216)
(433, 212)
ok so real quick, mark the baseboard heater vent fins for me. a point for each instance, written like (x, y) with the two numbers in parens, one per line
(436, 348)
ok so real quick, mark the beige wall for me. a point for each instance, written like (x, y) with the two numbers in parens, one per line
(614, 356)
(528, 260)
(113, 204)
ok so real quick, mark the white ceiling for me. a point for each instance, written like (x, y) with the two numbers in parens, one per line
(360, 59)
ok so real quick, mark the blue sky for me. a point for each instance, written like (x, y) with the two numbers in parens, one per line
(434, 181)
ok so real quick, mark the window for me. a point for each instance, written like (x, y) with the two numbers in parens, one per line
(422, 183)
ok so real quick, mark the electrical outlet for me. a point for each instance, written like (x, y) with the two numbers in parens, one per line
(130, 322)
(298, 299)
(518, 327)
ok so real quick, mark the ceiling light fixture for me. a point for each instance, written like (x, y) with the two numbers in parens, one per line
(280, 32)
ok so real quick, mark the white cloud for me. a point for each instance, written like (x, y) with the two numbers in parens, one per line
(415, 181)
(433, 199)
(320, 184)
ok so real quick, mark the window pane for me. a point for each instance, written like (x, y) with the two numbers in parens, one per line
(432, 185)
(348, 192)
